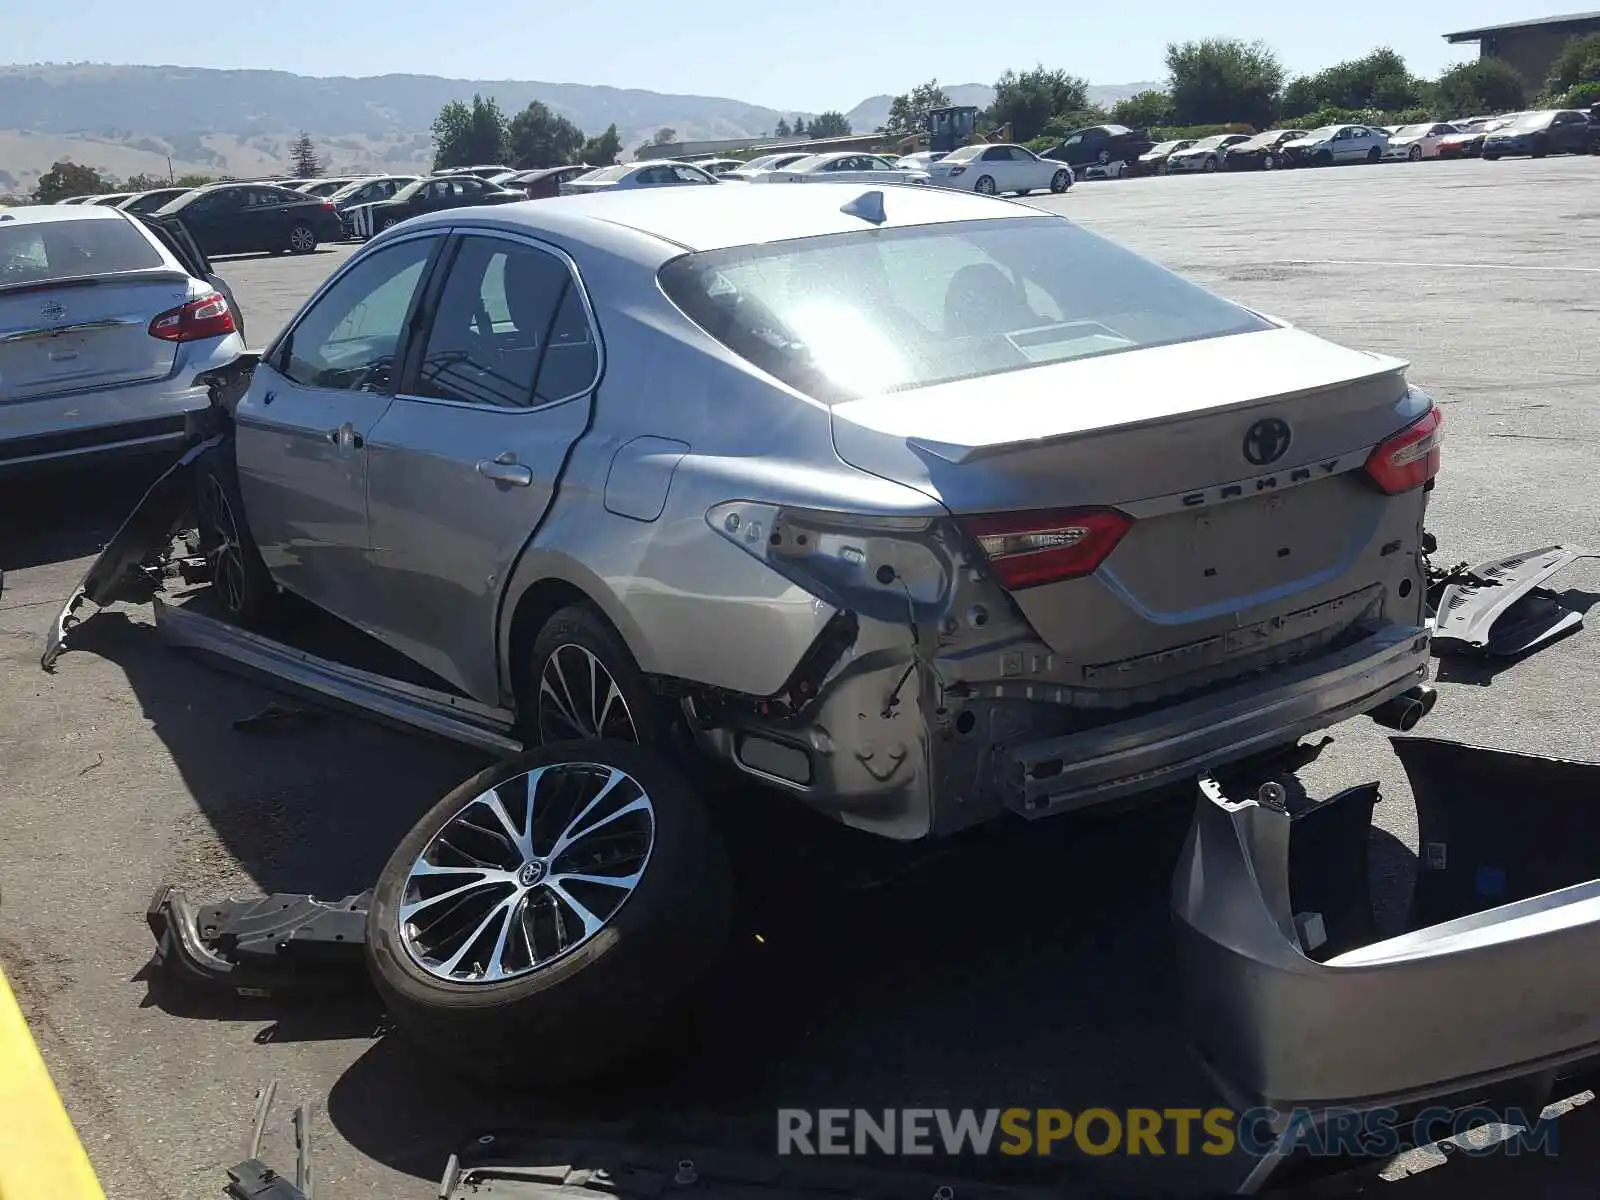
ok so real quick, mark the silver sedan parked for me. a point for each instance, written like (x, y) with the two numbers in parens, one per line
(918, 506)
(105, 322)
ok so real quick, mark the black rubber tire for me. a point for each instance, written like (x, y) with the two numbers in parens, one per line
(1490, 157)
(255, 593)
(1210, 164)
(1269, 162)
(1324, 158)
(387, 223)
(598, 1005)
(299, 227)
(1415, 154)
(1060, 182)
(1374, 155)
(581, 625)
(1024, 191)
(985, 191)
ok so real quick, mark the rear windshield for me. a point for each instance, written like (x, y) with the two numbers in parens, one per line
(857, 314)
(40, 251)
(607, 174)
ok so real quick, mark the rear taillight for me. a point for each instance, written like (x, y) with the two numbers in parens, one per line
(954, 171)
(1029, 548)
(1411, 457)
(203, 317)
(328, 205)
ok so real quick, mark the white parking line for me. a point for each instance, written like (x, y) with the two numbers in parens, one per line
(1389, 262)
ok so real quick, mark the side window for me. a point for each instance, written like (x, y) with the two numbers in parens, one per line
(470, 186)
(1074, 140)
(509, 332)
(349, 338)
(688, 175)
(996, 154)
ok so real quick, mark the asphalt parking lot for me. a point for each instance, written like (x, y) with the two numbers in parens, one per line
(122, 771)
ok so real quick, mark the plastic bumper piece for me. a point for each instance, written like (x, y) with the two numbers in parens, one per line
(1494, 992)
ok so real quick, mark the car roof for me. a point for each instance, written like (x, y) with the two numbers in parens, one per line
(35, 214)
(717, 218)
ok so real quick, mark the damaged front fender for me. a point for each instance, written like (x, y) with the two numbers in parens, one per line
(1297, 1004)
(128, 567)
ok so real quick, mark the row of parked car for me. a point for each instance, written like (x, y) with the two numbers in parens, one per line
(1534, 133)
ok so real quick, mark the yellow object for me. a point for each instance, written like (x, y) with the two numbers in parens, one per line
(40, 1155)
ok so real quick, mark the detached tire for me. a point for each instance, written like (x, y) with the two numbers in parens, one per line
(552, 1014)
(240, 581)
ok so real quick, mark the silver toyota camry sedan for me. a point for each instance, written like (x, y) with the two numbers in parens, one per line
(918, 505)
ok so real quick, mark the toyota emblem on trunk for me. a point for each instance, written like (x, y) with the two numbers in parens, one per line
(1267, 441)
(52, 311)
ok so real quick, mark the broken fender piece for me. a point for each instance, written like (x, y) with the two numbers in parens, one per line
(1495, 608)
(125, 568)
(1499, 994)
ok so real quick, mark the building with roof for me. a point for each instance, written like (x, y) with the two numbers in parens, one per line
(1529, 47)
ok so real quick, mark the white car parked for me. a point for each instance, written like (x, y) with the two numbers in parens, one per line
(920, 161)
(767, 162)
(848, 167)
(1206, 154)
(624, 176)
(1338, 143)
(1413, 142)
(992, 170)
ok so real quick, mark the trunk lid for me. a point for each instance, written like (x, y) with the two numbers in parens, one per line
(1222, 544)
(93, 332)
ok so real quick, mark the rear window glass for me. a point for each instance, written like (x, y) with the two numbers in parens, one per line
(858, 314)
(607, 174)
(40, 251)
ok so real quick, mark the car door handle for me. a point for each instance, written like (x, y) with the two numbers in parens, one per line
(504, 468)
(344, 435)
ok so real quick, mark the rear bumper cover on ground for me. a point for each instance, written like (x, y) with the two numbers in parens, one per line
(1294, 1001)
(1079, 769)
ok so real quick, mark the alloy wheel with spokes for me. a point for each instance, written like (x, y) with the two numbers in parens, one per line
(578, 698)
(526, 872)
(302, 239)
(225, 552)
(985, 186)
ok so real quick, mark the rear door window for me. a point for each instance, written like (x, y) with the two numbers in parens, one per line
(40, 251)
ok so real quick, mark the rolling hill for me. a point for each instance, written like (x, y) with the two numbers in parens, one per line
(126, 120)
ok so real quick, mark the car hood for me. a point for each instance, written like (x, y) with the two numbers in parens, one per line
(1302, 143)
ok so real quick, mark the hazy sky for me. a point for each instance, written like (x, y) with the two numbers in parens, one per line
(815, 55)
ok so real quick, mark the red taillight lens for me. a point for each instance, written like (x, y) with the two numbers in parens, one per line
(1411, 457)
(328, 205)
(204, 317)
(1030, 548)
(954, 171)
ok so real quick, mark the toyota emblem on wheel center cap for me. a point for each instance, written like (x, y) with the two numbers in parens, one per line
(531, 873)
(1267, 441)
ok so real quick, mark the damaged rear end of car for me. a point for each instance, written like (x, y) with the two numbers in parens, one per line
(1169, 533)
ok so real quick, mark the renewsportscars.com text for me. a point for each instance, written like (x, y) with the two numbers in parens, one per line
(1373, 1133)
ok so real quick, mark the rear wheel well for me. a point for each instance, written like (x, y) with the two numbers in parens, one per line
(535, 607)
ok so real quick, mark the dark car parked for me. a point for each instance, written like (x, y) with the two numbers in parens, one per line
(1260, 153)
(536, 185)
(1101, 145)
(1556, 131)
(236, 218)
(144, 203)
(427, 195)
(487, 171)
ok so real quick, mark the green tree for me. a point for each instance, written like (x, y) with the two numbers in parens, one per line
(830, 124)
(303, 157)
(1223, 79)
(1585, 95)
(1143, 110)
(66, 178)
(906, 111)
(782, 129)
(602, 151)
(1578, 62)
(1028, 100)
(1379, 80)
(664, 135)
(541, 138)
(799, 125)
(145, 183)
(465, 135)
(193, 181)
(1485, 85)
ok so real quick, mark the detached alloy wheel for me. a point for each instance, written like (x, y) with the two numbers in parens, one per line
(543, 919)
